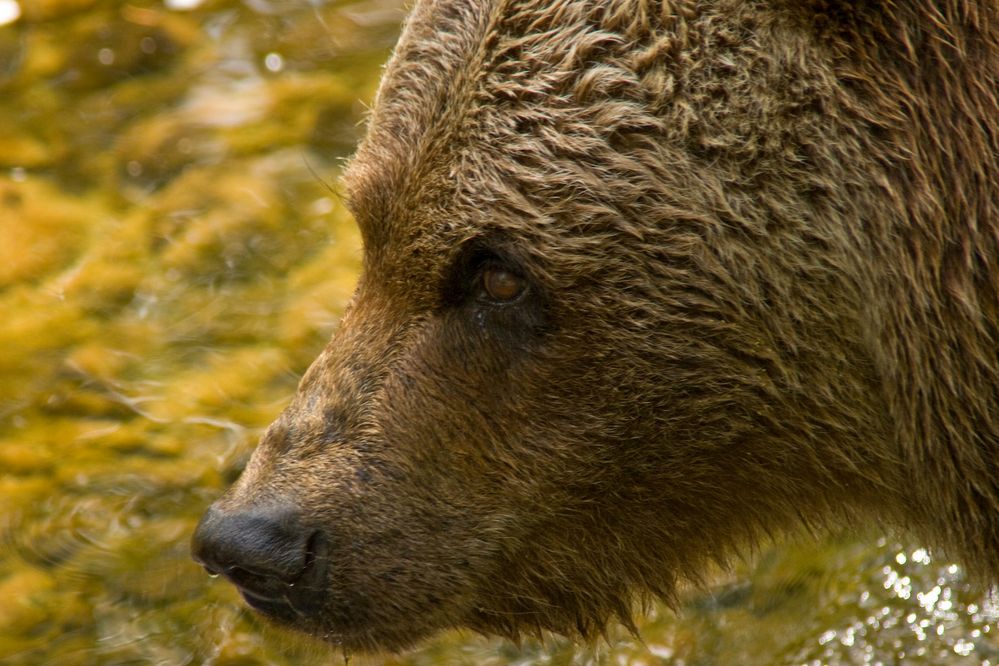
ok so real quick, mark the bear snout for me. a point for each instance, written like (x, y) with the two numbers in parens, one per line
(277, 565)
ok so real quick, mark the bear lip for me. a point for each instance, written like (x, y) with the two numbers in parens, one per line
(299, 598)
(276, 608)
(280, 604)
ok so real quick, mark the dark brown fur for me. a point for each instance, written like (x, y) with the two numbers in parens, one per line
(762, 244)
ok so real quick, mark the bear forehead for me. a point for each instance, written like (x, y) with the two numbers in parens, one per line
(482, 98)
(579, 118)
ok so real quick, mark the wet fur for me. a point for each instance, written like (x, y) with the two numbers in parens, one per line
(763, 252)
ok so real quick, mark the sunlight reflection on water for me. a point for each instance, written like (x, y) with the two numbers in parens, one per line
(183, 5)
(10, 11)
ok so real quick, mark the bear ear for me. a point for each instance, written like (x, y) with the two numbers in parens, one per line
(941, 8)
(931, 15)
(947, 28)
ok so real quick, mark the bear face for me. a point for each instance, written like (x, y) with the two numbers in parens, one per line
(642, 281)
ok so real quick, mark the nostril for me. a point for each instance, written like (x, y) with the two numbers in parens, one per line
(316, 558)
(209, 569)
(256, 549)
(312, 547)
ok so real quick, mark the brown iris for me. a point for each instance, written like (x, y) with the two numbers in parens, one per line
(502, 285)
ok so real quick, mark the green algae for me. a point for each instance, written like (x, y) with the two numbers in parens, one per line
(163, 233)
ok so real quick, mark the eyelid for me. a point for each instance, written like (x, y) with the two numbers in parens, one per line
(464, 280)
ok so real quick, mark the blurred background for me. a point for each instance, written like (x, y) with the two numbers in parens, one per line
(173, 254)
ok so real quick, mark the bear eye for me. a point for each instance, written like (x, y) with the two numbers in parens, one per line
(501, 285)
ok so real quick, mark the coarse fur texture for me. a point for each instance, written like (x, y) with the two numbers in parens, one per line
(759, 246)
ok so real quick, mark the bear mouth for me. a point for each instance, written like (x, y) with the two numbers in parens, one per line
(281, 609)
(288, 602)
(315, 597)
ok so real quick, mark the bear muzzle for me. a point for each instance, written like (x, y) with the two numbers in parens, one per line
(278, 566)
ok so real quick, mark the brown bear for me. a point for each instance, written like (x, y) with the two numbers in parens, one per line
(643, 281)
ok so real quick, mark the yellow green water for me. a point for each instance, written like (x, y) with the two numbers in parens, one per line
(171, 259)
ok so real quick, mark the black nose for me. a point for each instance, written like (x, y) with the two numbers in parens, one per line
(262, 550)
